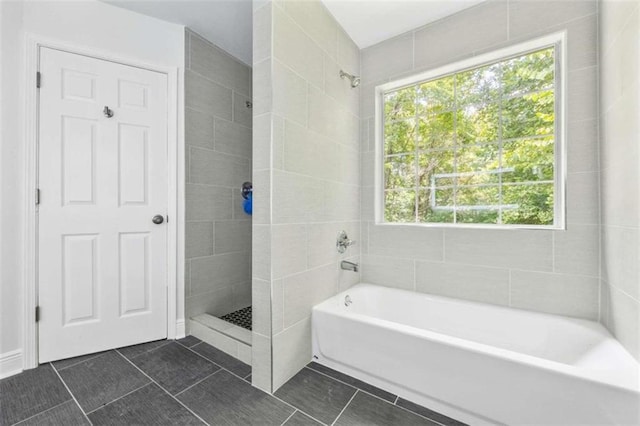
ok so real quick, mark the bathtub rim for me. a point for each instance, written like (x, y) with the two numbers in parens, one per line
(580, 373)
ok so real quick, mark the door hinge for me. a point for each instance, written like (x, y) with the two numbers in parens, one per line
(37, 196)
(37, 313)
(38, 79)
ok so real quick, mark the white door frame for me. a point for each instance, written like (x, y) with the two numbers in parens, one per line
(175, 208)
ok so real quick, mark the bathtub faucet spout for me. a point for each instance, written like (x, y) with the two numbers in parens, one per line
(349, 266)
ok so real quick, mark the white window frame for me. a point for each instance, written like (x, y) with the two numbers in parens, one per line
(556, 40)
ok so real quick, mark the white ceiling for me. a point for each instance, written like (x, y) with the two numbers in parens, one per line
(228, 23)
(371, 21)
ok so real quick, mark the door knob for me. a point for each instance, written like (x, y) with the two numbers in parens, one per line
(158, 219)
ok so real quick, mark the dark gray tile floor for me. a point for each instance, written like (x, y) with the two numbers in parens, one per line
(188, 382)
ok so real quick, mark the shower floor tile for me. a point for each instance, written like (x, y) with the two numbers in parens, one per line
(188, 382)
(241, 317)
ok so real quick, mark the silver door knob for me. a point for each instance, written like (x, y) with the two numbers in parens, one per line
(158, 219)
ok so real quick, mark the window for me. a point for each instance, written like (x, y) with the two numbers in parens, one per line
(476, 144)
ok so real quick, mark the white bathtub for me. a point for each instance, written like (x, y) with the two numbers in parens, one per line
(479, 363)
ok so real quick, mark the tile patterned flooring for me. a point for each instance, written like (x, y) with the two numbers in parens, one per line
(188, 382)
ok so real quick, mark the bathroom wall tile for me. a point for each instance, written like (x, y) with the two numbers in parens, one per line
(232, 138)
(577, 250)
(526, 17)
(624, 314)
(522, 249)
(297, 198)
(291, 351)
(301, 150)
(605, 299)
(388, 271)
(237, 204)
(582, 147)
(317, 22)
(261, 362)
(583, 200)
(215, 302)
(241, 293)
(289, 94)
(321, 242)
(581, 94)
(242, 113)
(295, 48)
(376, 63)
(328, 117)
(367, 203)
(341, 201)
(204, 202)
(232, 236)
(406, 241)
(187, 277)
(348, 53)
(261, 141)
(476, 283)
(277, 306)
(562, 294)
(261, 251)
(289, 249)
(620, 175)
(620, 266)
(347, 279)
(368, 165)
(461, 34)
(620, 69)
(612, 14)
(198, 129)
(367, 99)
(262, 25)
(261, 311)
(214, 168)
(303, 291)
(261, 197)
(199, 239)
(263, 84)
(217, 272)
(340, 88)
(207, 96)
(217, 65)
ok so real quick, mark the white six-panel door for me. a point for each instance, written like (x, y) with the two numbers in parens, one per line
(102, 262)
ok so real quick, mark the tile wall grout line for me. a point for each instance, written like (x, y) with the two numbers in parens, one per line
(287, 419)
(119, 398)
(345, 407)
(167, 392)
(71, 393)
(42, 412)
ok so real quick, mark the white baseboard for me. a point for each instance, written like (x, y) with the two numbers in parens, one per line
(10, 363)
(181, 329)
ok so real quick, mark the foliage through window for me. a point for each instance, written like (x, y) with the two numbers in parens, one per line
(475, 146)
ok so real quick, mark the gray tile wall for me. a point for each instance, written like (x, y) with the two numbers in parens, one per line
(620, 157)
(306, 172)
(541, 270)
(218, 155)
